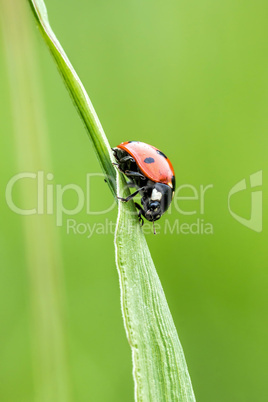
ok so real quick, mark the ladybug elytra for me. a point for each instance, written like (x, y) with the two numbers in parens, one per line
(151, 172)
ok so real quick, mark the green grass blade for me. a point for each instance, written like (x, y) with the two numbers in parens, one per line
(43, 258)
(77, 92)
(159, 367)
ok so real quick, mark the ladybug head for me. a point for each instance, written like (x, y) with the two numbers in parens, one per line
(153, 211)
(157, 201)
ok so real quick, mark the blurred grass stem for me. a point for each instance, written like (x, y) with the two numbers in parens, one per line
(42, 251)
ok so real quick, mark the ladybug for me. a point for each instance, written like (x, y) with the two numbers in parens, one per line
(151, 172)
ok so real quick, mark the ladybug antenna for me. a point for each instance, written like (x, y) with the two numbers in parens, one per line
(154, 228)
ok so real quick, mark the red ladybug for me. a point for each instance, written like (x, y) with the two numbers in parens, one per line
(151, 172)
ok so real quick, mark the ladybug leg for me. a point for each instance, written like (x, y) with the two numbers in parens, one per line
(131, 184)
(140, 213)
(126, 159)
(132, 195)
(128, 172)
(117, 165)
(136, 174)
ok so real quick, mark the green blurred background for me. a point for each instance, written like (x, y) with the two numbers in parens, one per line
(190, 78)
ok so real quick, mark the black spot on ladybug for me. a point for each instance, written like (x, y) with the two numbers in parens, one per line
(173, 181)
(161, 153)
(149, 160)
